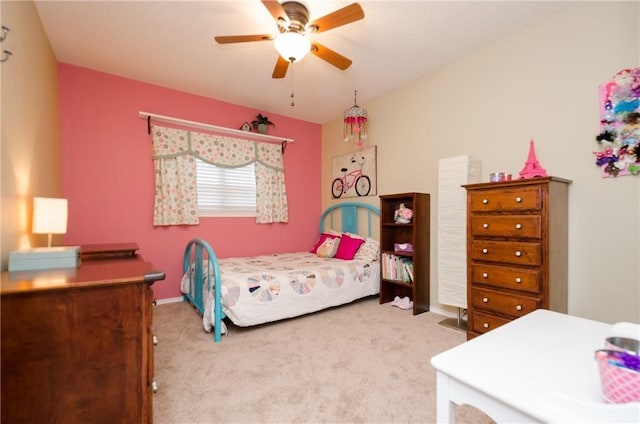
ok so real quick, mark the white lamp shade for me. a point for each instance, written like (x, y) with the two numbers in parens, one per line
(49, 215)
(292, 46)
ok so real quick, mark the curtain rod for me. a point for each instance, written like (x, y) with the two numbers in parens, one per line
(223, 130)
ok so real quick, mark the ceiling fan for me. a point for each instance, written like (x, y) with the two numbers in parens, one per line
(293, 22)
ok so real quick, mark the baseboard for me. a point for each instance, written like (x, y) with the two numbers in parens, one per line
(442, 312)
(169, 300)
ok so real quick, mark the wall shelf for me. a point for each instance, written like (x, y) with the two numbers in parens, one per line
(214, 128)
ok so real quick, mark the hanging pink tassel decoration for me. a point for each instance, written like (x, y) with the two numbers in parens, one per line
(355, 125)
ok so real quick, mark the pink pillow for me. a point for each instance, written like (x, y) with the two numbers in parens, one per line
(321, 240)
(348, 247)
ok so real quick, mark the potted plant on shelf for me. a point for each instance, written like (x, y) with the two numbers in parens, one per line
(261, 124)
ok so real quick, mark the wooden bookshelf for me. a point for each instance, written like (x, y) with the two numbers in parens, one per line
(405, 273)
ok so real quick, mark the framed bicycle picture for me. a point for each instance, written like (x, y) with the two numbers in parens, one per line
(354, 174)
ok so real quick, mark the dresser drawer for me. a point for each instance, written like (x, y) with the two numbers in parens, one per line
(504, 277)
(518, 253)
(483, 322)
(502, 303)
(521, 226)
(517, 199)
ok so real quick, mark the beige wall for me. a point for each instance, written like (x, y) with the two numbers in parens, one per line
(542, 83)
(30, 136)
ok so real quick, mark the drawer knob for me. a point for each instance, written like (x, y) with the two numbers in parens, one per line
(485, 325)
(485, 275)
(485, 226)
(518, 307)
(485, 201)
(518, 253)
(518, 199)
(154, 386)
(155, 341)
(518, 226)
(518, 280)
(485, 251)
(485, 299)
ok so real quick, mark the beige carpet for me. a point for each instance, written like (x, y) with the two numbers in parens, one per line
(358, 363)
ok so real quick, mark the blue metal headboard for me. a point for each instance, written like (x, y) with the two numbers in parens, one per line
(349, 216)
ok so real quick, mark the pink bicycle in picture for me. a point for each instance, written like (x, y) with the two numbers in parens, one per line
(355, 178)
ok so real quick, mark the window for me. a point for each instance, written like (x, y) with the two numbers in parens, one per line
(226, 191)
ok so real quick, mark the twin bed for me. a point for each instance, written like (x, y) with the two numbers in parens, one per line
(259, 289)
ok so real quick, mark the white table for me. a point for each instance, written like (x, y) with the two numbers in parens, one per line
(538, 368)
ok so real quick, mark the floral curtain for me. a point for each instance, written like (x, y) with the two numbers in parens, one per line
(174, 154)
(175, 172)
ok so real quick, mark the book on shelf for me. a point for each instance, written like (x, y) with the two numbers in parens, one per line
(398, 268)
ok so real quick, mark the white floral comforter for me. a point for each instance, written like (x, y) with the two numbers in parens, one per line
(268, 288)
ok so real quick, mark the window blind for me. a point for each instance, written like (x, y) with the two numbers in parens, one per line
(226, 191)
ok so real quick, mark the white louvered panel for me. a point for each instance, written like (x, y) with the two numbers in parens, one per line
(226, 191)
(452, 227)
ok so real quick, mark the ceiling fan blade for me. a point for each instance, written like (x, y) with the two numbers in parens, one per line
(330, 56)
(340, 17)
(275, 8)
(281, 68)
(226, 39)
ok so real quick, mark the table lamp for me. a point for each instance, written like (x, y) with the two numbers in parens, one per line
(49, 216)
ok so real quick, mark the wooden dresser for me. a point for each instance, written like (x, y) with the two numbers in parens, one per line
(77, 345)
(516, 250)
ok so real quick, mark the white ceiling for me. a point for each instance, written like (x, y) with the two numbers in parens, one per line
(171, 44)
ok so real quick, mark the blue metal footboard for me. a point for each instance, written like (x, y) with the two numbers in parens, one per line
(200, 261)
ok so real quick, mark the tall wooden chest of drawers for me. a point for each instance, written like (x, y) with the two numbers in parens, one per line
(516, 250)
(77, 343)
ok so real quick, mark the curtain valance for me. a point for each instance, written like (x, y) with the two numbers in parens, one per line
(214, 149)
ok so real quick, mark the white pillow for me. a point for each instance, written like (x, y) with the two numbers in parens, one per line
(328, 248)
(369, 250)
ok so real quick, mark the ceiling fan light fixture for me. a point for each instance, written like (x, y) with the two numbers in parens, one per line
(292, 46)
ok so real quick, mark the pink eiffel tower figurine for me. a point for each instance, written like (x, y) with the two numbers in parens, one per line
(532, 167)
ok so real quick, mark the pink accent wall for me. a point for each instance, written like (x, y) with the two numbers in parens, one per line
(107, 172)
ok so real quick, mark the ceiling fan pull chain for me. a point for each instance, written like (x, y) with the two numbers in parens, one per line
(292, 96)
